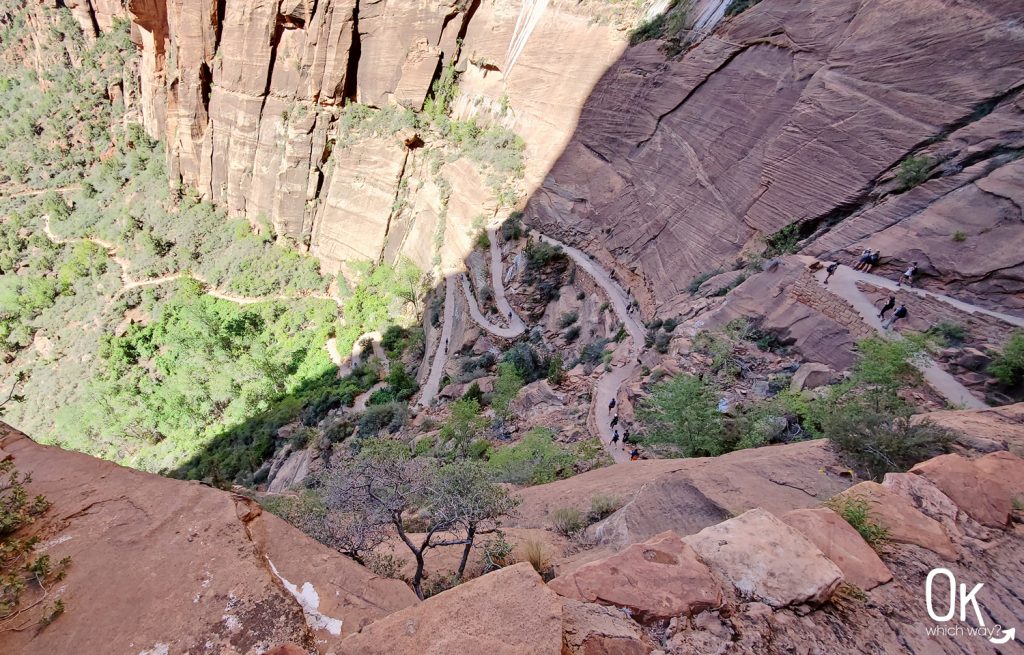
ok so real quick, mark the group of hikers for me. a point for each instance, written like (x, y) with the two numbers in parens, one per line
(868, 260)
(635, 454)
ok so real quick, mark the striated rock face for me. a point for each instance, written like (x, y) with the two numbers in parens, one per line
(800, 112)
(904, 523)
(161, 565)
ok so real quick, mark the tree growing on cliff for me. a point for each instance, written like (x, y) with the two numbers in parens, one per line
(452, 503)
(682, 413)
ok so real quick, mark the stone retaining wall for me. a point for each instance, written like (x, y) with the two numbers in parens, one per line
(808, 291)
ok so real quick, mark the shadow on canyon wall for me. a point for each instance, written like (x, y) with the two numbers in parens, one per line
(790, 113)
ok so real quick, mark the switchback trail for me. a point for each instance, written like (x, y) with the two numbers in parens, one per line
(624, 364)
(437, 365)
(844, 283)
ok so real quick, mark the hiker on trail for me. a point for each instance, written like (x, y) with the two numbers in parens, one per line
(510, 316)
(611, 404)
(901, 312)
(615, 420)
(625, 438)
(635, 455)
(872, 261)
(446, 345)
(830, 270)
(889, 304)
(615, 437)
(862, 260)
(908, 276)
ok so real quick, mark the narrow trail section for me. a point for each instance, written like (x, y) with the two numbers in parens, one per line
(498, 282)
(431, 387)
(844, 283)
(624, 364)
(38, 192)
(517, 327)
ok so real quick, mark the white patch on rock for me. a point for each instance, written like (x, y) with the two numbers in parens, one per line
(309, 600)
(53, 542)
(157, 649)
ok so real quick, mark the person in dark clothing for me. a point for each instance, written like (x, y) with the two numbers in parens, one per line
(615, 420)
(901, 312)
(635, 455)
(615, 437)
(611, 404)
(872, 261)
(889, 304)
(830, 270)
(862, 260)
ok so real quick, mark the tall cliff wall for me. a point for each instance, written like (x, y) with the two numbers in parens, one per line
(663, 167)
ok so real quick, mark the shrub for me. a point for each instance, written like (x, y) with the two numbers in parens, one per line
(567, 319)
(959, 236)
(497, 553)
(482, 241)
(529, 365)
(856, 511)
(1008, 366)
(866, 429)
(556, 371)
(784, 242)
(568, 521)
(435, 584)
(391, 415)
(506, 387)
(541, 253)
(694, 285)
(593, 352)
(384, 565)
(682, 413)
(914, 171)
(572, 334)
(603, 505)
(951, 334)
(537, 555)
(537, 459)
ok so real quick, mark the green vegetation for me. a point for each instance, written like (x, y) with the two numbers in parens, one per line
(959, 236)
(856, 511)
(784, 242)
(537, 459)
(464, 426)
(864, 417)
(602, 506)
(506, 387)
(165, 391)
(1008, 366)
(21, 569)
(914, 171)
(739, 6)
(695, 283)
(667, 25)
(681, 413)
(568, 521)
(948, 334)
(381, 294)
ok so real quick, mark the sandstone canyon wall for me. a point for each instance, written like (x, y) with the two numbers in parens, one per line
(663, 167)
(801, 112)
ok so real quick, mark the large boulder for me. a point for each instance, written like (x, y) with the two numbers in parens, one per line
(904, 523)
(508, 612)
(589, 629)
(767, 560)
(837, 539)
(810, 375)
(983, 497)
(658, 579)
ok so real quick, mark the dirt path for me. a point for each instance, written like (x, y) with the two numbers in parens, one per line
(517, 328)
(844, 284)
(625, 361)
(430, 388)
(39, 192)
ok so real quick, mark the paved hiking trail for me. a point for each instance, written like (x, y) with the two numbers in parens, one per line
(844, 284)
(624, 364)
(440, 357)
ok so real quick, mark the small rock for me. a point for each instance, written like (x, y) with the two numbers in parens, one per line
(810, 376)
(973, 359)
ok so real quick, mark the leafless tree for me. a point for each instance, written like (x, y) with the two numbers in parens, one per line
(385, 484)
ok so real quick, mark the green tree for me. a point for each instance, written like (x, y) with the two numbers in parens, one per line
(1008, 366)
(506, 387)
(682, 412)
(464, 425)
